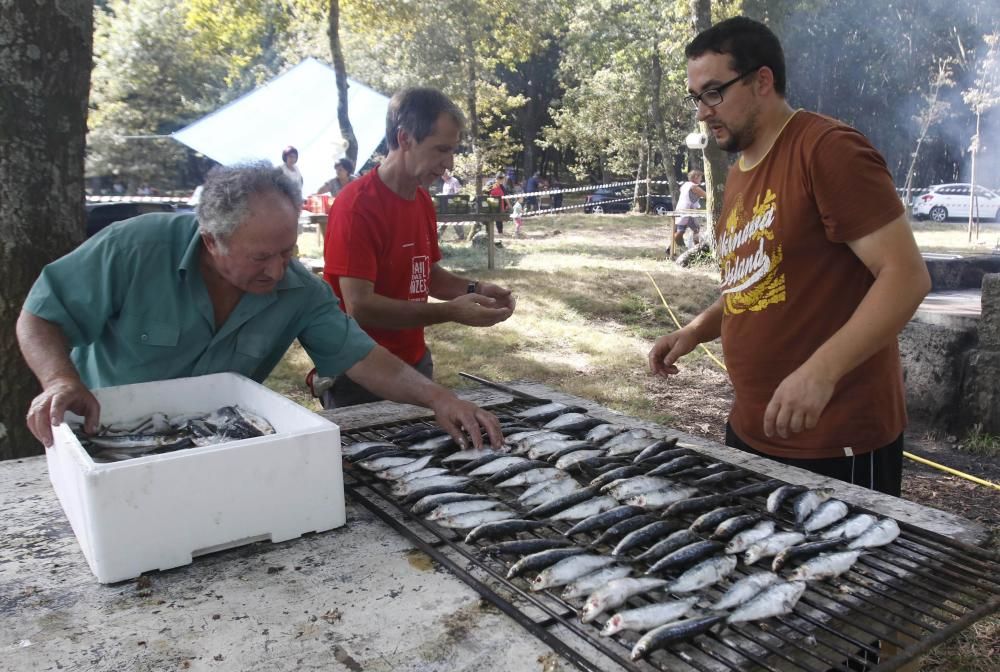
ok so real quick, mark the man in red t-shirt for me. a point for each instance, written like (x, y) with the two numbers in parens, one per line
(819, 267)
(381, 252)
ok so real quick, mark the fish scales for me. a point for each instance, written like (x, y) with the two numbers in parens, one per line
(514, 469)
(850, 528)
(826, 514)
(772, 545)
(881, 533)
(662, 447)
(465, 521)
(619, 530)
(562, 502)
(604, 519)
(677, 631)
(776, 600)
(502, 528)
(685, 556)
(626, 471)
(778, 497)
(715, 517)
(522, 547)
(659, 499)
(747, 538)
(676, 540)
(704, 574)
(745, 589)
(696, 504)
(588, 583)
(827, 566)
(585, 509)
(800, 552)
(647, 534)
(727, 529)
(808, 501)
(430, 502)
(540, 560)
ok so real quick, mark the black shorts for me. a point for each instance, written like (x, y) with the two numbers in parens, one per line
(881, 469)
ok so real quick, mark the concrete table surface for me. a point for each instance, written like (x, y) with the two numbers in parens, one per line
(356, 598)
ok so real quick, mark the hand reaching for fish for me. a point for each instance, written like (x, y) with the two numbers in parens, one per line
(49, 407)
(457, 416)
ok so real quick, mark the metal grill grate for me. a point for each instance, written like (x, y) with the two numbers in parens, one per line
(912, 594)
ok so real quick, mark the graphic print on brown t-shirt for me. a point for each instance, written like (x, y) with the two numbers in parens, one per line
(753, 280)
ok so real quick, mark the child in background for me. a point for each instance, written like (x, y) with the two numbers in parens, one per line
(517, 215)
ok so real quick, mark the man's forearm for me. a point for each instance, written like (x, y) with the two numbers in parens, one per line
(384, 313)
(45, 348)
(445, 285)
(878, 319)
(388, 377)
(707, 326)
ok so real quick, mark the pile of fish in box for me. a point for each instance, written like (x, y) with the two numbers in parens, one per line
(614, 515)
(157, 434)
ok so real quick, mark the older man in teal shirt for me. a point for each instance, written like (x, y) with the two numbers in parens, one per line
(173, 295)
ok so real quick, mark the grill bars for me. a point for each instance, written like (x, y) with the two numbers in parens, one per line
(912, 594)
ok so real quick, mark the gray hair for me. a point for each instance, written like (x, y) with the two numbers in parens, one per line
(415, 111)
(225, 198)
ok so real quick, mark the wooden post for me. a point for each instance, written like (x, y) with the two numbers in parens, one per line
(491, 227)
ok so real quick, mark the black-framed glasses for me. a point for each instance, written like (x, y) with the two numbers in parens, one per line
(713, 97)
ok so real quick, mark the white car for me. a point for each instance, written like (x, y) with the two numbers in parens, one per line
(952, 200)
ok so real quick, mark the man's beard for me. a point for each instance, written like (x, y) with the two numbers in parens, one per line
(742, 137)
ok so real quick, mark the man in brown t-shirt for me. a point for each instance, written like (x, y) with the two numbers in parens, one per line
(819, 268)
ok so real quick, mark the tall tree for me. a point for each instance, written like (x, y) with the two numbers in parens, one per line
(45, 57)
(716, 163)
(933, 111)
(983, 95)
(343, 118)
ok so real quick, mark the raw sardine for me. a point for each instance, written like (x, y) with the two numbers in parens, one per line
(523, 547)
(431, 502)
(659, 499)
(712, 519)
(678, 539)
(535, 562)
(588, 583)
(801, 552)
(543, 492)
(686, 556)
(604, 519)
(809, 501)
(677, 631)
(602, 433)
(646, 535)
(777, 600)
(881, 533)
(468, 506)
(850, 528)
(381, 463)
(614, 594)
(705, 573)
(502, 528)
(623, 472)
(772, 545)
(561, 502)
(493, 466)
(629, 487)
(825, 566)
(465, 521)
(745, 589)
(393, 473)
(533, 476)
(569, 569)
(619, 530)
(826, 514)
(728, 528)
(777, 498)
(748, 538)
(586, 509)
(648, 617)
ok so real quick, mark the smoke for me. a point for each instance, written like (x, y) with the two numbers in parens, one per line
(868, 64)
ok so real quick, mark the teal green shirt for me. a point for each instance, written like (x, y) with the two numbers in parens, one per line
(134, 307)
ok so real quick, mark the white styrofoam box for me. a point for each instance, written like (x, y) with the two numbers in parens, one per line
(159, 511)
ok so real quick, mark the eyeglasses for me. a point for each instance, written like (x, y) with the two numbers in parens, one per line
(713, 97)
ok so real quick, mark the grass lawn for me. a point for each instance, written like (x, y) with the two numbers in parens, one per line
(586, 314)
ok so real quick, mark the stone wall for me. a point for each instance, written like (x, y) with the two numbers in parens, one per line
(952, 367)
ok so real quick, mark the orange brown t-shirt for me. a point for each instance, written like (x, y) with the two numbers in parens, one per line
(789, 282)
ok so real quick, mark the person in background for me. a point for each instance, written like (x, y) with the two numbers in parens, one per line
(171, 295)
(531, 186)
(498, 192)
(342, 176)
(289, 159)
(382, 257)
(450, 184)
(820, 272)
(517, 214)
(691, 193)
(557, 198)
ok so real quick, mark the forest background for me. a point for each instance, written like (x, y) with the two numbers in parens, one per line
(579, 89)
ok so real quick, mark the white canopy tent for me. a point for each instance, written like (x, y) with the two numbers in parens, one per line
(298, 108)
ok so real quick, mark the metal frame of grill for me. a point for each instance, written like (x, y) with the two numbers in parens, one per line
(913, 594)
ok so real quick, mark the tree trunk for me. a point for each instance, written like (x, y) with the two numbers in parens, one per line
(973, 202)
(928, 117)
(346, 130)
(716, 164)
(656, 112)
(45, 59)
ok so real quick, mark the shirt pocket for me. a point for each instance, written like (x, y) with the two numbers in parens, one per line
(160, 334)
(254, 346)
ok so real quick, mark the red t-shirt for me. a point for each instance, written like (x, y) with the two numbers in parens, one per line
(374, 234)
(789, 282)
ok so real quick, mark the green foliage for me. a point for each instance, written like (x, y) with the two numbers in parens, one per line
(982, 443)
(146, 81)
